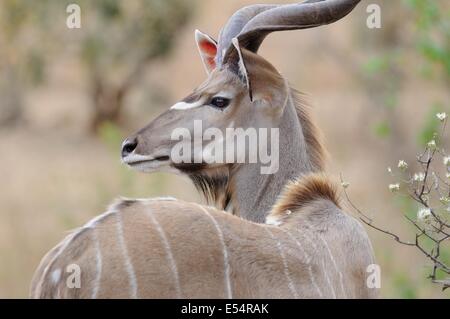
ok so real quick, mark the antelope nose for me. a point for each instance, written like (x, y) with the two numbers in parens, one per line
(128, 146)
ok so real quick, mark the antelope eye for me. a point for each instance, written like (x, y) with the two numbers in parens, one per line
(220, 102)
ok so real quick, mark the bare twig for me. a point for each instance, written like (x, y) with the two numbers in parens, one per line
(429, 223)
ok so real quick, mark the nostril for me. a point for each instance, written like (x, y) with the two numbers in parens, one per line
(128, 147)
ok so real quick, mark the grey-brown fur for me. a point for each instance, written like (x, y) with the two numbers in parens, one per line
(316, 252)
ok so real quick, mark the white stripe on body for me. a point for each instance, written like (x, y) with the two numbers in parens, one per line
(170, 258)
(98, 264)
(322, 262)
(285, 264)
(128, 265)
(308, 260)
(225, 252)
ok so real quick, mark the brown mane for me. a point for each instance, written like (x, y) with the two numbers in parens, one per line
(302, 192)
(311, 133)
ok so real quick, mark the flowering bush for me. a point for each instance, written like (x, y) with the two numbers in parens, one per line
(430, 189)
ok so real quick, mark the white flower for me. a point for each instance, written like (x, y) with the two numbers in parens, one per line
(419, 177)
(447, 175)
(432, 145)
(389, 170)
(446, 161)
(394, 187)
(423, 213)
(402, 165)
(442, 116)
(345, 184)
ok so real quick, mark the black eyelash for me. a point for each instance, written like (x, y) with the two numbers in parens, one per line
(219, 102)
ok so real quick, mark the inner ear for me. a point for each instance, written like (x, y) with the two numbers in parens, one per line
(242, 67)
(207, 48)
(263, 81)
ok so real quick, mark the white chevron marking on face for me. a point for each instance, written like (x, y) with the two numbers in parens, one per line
(186, 106)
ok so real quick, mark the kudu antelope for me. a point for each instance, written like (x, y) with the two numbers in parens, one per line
(165, 248)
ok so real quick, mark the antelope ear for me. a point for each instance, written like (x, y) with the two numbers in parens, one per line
(263, 81)
(242, 67)
(207, 47)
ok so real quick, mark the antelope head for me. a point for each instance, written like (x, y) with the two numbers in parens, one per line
(242, 90)
(222, 101)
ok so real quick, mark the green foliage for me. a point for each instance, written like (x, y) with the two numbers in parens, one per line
(35, 67)
(445, 257)
(376, 65)
(404, 286)
(109, 9)
(432, 19)
(428, 10)
(116, 41)
(381, 76)
(407, 205)
(91, 48)
(431, 125)
(382, 129)
(126, 32)
(21, 52)
(13, 15)
(111, 135)
(391, 99)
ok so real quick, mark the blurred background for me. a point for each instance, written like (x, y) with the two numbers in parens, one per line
(69, 96)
